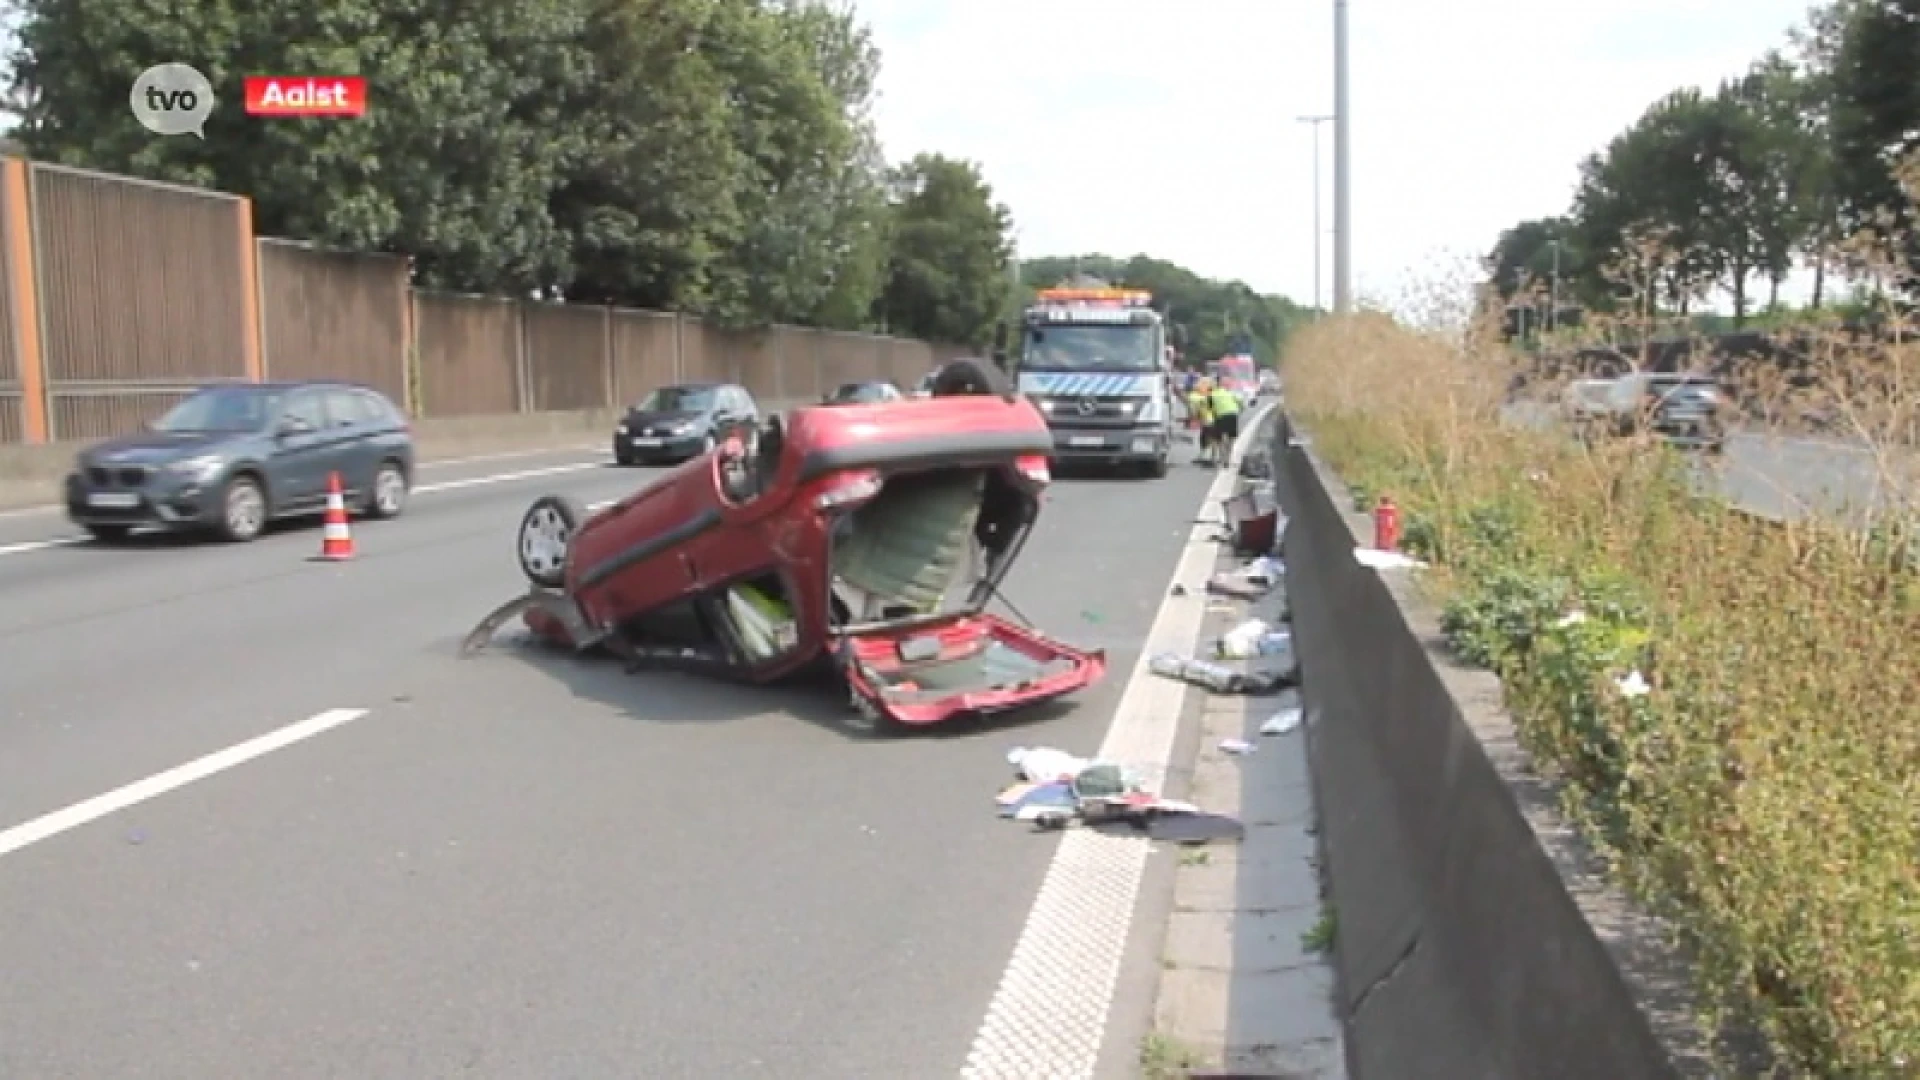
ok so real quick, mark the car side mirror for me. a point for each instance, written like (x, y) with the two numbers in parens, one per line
(292, 425)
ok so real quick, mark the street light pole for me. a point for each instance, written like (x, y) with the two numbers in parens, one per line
(1342, 168)
(1553, 291)
(1316, 121)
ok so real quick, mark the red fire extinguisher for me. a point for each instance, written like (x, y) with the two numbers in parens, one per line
(1386, 526)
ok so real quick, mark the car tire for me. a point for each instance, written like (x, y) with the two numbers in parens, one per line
(1157, 468)
(388, 496)
(970, 376)
(110, 534)
(546, 534)
(623, 460)
(243, 510)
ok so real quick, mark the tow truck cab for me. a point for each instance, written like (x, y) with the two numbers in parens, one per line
(1094, 360)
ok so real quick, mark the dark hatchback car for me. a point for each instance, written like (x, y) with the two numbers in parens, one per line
(863, 393)
(675, 423)
(231, 458)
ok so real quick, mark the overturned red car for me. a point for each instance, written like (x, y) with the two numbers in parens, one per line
(872, 535)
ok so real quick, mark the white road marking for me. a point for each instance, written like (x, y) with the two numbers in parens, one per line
(1049, 1016)
(82, 813)
(423, 489)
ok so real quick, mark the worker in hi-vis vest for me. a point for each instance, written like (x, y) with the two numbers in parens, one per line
(1224, 405)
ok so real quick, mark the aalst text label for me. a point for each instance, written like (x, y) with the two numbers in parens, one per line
(306, 95)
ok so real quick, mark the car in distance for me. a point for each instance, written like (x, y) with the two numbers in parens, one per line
(681, 422)
(870, 392)
(1684, 410)
(230, 458)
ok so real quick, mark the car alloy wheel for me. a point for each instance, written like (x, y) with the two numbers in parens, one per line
(244, 510)
(546, 534)
(389, 491)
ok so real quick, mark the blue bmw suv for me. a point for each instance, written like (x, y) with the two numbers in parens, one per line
(232, 457)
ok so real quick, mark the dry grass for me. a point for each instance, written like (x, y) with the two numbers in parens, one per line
(1765, 795)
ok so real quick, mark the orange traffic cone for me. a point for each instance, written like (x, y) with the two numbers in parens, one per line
(336, 542)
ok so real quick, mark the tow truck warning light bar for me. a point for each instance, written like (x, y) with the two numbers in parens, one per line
(1096, 297)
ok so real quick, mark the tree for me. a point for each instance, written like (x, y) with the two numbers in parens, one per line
(454, 168)
(947, 272)
(854, 188)
(706, 155)
(1876, 119)
(1660, 178)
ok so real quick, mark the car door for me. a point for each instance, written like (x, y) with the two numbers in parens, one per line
(296, 476)
(351, 452)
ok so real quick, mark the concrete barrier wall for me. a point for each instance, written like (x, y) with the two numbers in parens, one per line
(1461, 952)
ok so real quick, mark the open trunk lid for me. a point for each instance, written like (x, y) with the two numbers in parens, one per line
(927, 671)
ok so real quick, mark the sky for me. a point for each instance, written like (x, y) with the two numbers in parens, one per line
(1171, 129)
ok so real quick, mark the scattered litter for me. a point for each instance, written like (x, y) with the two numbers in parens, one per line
(1044, 765)
(1253, 519)
(1286, 718)
(1091, 616)
(1240, 588)
(1250, 582)
(1221, 679)
(1254, 637)
(1179, 589)
(1633, 684)
(1215, 677)
(1236, 746)
(1039, 801)
(1571, 618)
(1102, 781)
(1375, 559)
(1241, 641)
(1092, 792)
(1265, 570)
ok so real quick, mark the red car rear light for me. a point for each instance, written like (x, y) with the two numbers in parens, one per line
(857, 487)
(1034, 468)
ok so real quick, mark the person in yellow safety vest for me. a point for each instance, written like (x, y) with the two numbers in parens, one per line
(1224, 405)
(1201, 416)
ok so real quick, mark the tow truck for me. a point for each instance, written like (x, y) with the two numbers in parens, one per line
(1094, 360)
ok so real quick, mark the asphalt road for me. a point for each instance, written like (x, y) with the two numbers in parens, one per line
(519, 864)
(1783, 477)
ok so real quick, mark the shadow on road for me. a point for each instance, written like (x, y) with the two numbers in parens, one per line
(665, 695)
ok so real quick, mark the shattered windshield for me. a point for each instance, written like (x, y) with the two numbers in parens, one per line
(1091, 348)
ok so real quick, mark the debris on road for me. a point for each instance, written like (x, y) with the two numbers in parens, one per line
(1254, 522)
(1218, 677)
(1375, 559)
(1287, 717)
(1056, 789)
(1253, 581)
(1236, 746)
(1255, 637)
